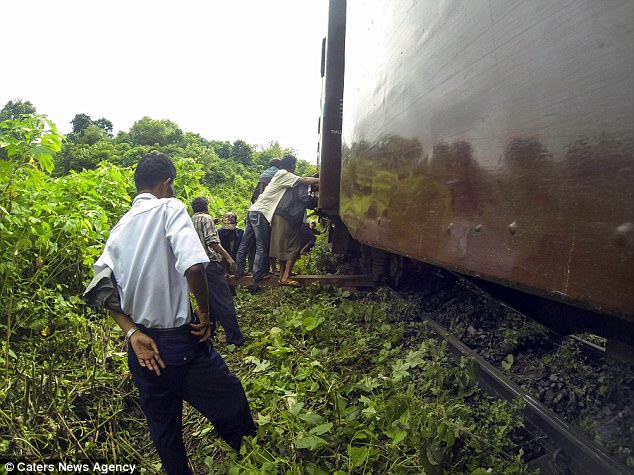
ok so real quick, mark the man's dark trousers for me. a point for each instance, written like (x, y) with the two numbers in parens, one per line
(195, 373)
(221, 305)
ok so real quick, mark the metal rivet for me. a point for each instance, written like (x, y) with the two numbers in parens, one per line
(513, 227)
(623, 234)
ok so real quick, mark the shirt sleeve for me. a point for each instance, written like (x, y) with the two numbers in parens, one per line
(285, 180)
(183, 237)
(211, 234)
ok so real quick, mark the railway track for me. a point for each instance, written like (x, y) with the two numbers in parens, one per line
(564, 413)
(567, 451)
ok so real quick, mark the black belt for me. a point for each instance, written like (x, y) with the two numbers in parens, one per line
(175, 331)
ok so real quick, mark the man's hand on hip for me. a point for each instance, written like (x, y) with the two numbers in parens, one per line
(201, 329)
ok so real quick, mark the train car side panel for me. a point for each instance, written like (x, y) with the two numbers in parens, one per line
(496, 139)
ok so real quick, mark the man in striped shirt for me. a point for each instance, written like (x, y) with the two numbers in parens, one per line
(221, 305)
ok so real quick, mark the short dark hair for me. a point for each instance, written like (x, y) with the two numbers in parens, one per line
(288, 162)
(152, 169)
(200, 204)
(274, 162)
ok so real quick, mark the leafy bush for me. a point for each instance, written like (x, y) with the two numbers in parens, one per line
(60, 368)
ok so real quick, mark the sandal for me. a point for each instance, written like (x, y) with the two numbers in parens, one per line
(290, 283)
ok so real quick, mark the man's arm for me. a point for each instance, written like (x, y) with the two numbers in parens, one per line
(225, 255)
(142, 344)
(308, 180)
(197, 280)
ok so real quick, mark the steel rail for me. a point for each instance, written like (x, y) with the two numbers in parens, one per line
(580, 455)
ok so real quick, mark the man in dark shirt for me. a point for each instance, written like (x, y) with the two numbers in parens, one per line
(230, 235)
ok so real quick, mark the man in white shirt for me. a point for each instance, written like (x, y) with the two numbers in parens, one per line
(261, 212)
(156, 258)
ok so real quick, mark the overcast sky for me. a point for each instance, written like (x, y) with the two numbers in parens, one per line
(230, 69)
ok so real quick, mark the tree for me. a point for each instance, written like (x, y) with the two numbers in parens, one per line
(30, 140)
(14, 109)
(242, 152)
(148, 131)
(106, 125)
(80, 122)
(272, 150)
(223, 149)
(91, 135)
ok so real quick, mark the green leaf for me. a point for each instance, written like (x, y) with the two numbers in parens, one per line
(397, 435)
(446, 434)
(441, 430)
(342, 403)
(309, 323)
(312, 469)
(202, 432)
(434, 454)
(295, 407)
(311, 418)
(310, 442)
(38, 325)
(261, 366)
(507, 362)
(352, 413)
(321, 429)
(46, 162)
(358, 455)
(263, 420)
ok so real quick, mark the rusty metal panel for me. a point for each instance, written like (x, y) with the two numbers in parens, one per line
(497, 139)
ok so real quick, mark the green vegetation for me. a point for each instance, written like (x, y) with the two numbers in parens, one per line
(223, 171)
(353, 382)
(339, 382)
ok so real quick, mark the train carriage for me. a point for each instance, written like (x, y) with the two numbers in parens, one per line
(494, 139)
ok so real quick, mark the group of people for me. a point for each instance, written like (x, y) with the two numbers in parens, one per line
(157, 256)
(274, 220)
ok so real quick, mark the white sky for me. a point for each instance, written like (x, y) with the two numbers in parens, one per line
(226, 69)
